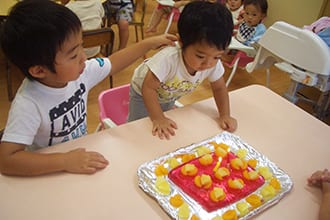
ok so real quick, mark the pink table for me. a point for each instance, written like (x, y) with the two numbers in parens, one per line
(296, 141)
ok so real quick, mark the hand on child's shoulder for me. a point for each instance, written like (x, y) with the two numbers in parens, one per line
(162, 40)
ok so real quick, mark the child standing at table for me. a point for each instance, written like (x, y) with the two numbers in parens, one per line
(44, 40)
(205, 31)
(321, 179)
(251, 29)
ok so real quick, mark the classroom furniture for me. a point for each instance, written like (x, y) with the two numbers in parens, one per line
(295, 141)
(103, 37)
(303, 55)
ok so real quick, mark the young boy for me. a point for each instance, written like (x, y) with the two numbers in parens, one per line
(44, 40)
(205, 31)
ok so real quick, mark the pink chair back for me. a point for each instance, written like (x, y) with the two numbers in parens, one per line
(113, 104)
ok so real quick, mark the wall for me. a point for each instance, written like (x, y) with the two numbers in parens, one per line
(296, 12)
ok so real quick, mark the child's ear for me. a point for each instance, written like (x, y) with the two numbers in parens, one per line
(37, 71)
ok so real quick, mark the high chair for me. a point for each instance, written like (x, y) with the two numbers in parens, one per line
(300, 53)
(245, 54)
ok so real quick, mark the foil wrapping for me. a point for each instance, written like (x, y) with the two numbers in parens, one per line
(147, 179)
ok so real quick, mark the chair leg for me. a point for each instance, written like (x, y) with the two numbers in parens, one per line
(170, 19)
(136, 34)
(111, 81)
(232, 72)
(267, 77)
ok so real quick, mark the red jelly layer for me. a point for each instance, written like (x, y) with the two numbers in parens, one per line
(202, 196)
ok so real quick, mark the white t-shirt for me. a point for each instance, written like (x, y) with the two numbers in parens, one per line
(168, 66)
(90, 13)
(42, 116)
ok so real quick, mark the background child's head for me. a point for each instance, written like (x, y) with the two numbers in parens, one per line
(233, 5)
(35, 31)
(255, 11)
(205, 22)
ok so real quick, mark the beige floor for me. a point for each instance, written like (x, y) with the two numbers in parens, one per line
(279, 81)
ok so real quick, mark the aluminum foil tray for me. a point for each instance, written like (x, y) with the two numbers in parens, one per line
(147, 179)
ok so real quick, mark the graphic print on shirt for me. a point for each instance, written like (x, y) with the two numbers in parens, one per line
(68, 118)
(175, 88)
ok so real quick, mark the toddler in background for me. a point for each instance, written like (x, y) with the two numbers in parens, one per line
(251, 29)
(163, 10)
(236, 9)
(90, 13)
(321, 179)
(205, 31)
(122, 12)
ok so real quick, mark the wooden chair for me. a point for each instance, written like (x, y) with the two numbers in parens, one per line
(140, 7)
(103, 37)
(7, 66)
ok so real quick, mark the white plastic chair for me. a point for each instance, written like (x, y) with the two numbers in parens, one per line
(302, 54)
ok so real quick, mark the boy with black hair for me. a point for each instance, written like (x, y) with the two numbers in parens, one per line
(44, 40)
(205, 31)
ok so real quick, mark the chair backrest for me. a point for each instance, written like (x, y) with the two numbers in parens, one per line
(113, 104)
(99, 37)
(297, 46)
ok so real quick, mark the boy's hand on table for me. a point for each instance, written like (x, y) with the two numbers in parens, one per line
(228, 123)
(164, 128)
(82, 161)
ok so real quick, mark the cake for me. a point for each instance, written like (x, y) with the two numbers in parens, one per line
(216, 177)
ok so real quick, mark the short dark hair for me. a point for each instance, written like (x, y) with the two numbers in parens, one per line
(205, 21)
(261, 4)
(34, 31)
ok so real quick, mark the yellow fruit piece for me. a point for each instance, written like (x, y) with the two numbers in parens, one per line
(189, 169)
(241, 153)
(217, 194)
(194, 217)
(250, 175)
(219, 152)
(252, 163)
(268, 192)
(221, 173)
(264, 171)
(243, 208)
(202, 150)
(162, 186)
(173, 162)
(217, 218)
(236, 183)
(254, 200)
(176, 200)
(275, 183)
(161, 170)
(188, 157)
(184, 212)
(238, 164)
(203, 181)
(206, 159)
(229, 215)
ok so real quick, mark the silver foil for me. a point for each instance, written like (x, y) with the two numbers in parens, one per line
(147, 178)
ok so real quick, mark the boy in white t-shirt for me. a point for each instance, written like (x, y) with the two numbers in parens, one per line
(205, 31)
(44, 40)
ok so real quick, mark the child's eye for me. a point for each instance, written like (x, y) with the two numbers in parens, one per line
(199, 56)
(74, 56)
